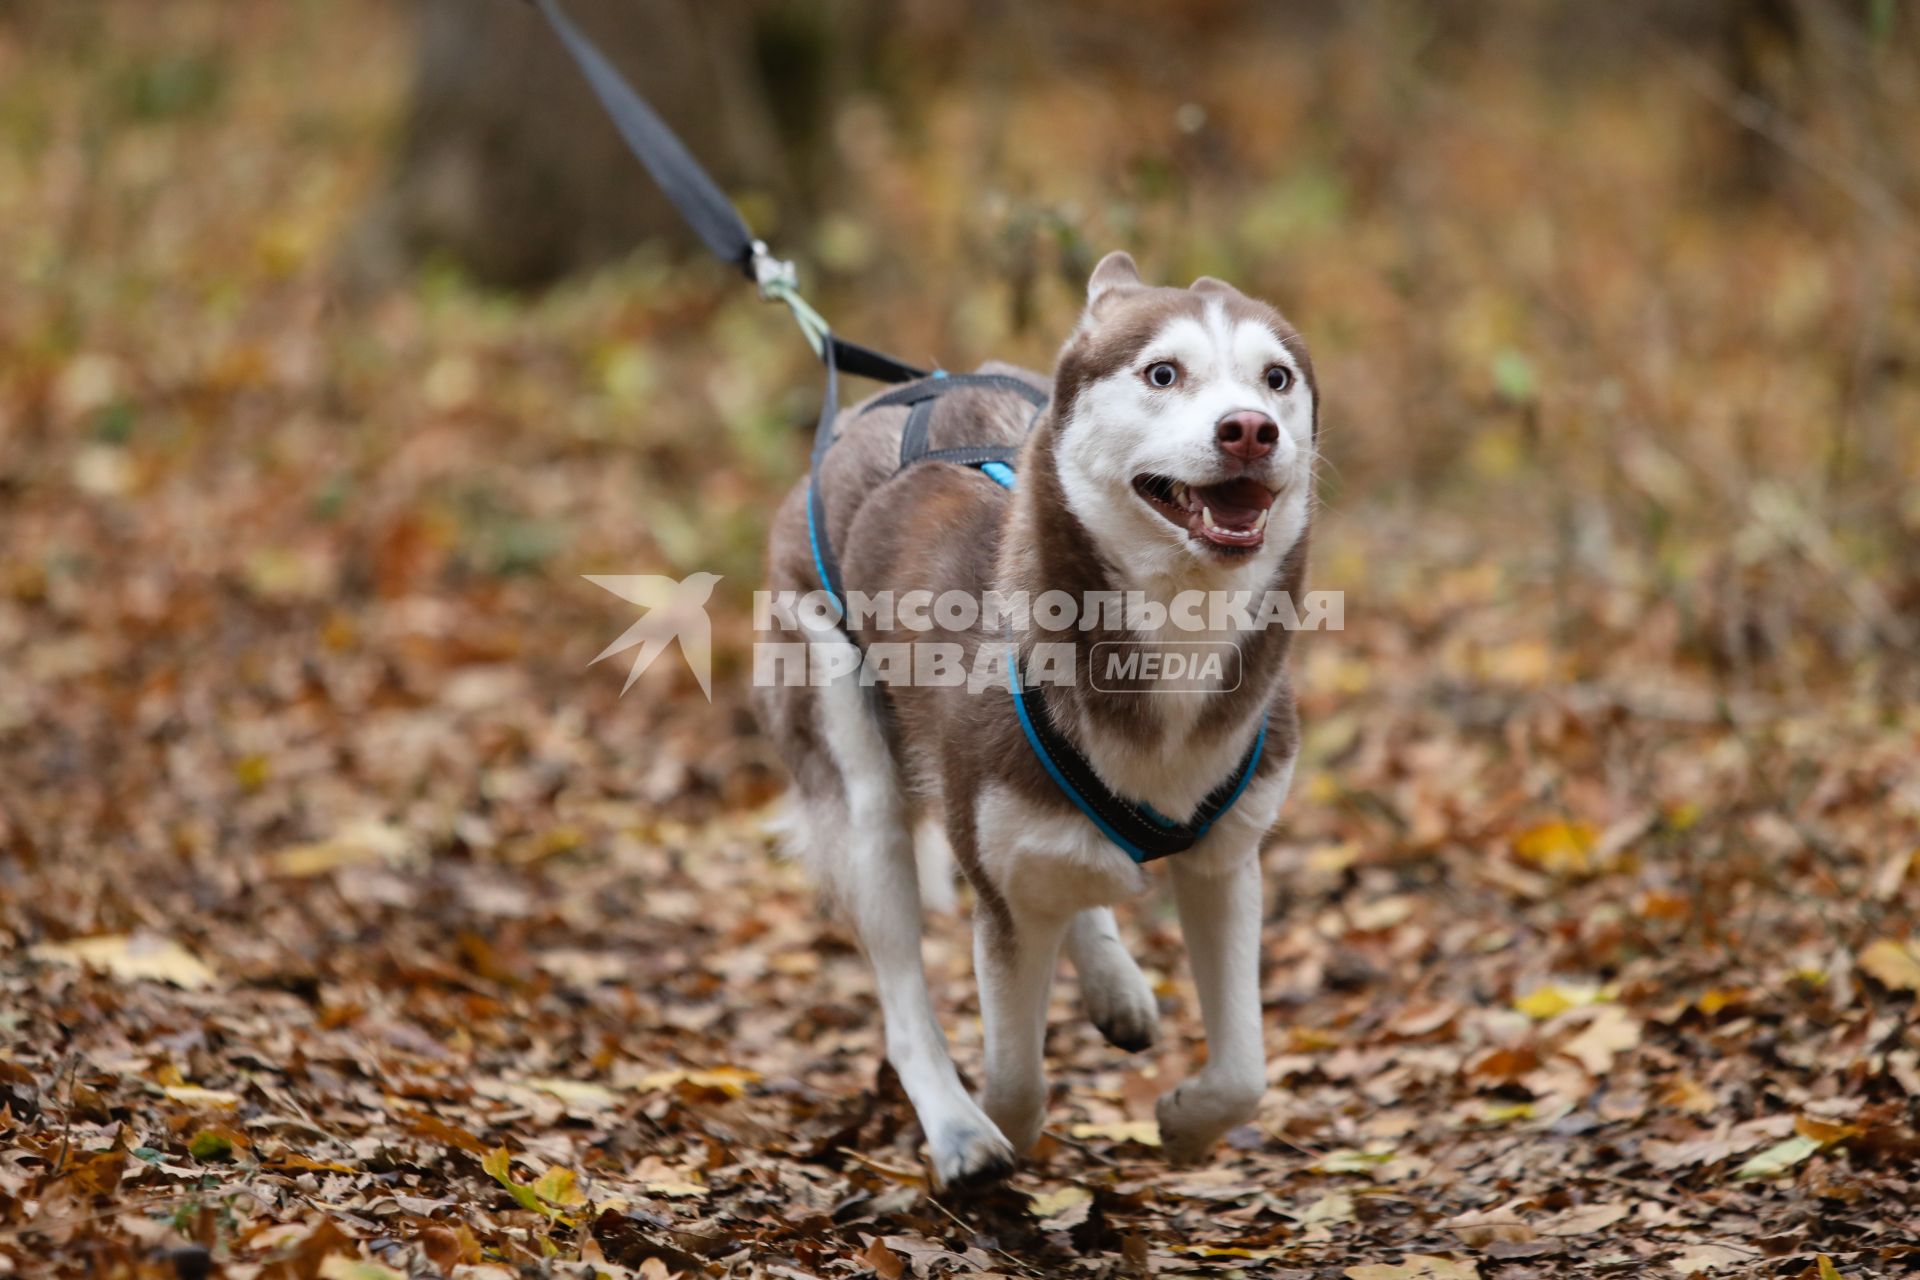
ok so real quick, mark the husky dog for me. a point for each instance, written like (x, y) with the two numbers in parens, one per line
(1174, 454)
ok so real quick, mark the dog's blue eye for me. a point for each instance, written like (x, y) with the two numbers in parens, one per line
(1163, 373)
(1279, 378)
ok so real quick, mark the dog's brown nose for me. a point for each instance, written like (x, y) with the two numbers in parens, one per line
(1247, 435)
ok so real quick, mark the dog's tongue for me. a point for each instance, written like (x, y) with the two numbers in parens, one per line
(1236, 504)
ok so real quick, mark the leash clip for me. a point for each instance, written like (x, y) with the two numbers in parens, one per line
(776, 278)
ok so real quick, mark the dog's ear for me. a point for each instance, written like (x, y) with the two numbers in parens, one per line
(1116, 271)
(1209, 284)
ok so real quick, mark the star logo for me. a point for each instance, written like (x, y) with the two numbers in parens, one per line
(674, 611)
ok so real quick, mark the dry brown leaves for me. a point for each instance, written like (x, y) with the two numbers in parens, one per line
(352, 927)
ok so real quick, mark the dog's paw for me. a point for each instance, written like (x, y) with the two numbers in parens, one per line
(1122, 1006)
(969, 1157)
(1119, 1001)
(1198, 1113)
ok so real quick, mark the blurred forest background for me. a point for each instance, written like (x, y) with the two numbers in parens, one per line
(339, 339)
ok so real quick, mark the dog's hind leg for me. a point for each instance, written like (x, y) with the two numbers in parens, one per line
(933, 855)
(1114, 991)
(868, 857)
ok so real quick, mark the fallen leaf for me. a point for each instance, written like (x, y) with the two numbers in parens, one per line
(1558, 848)
(1418, 1266)
(135, 957)
(886, 1264)
(1347, 1160)
(1552, 999)
(732, 1081)
(663, 1179)
(1710, 1257)
(1611, 1032)
(1491, 1226)
(358, 845)
(1778, 1158)
(560, 1187)
(498, 1165)
(1895, 965)
(193, 1096)
(208, 1145)
(1827, 1270)
(1046, 1204)
(1335, 1207)
(342, 1267)
(579, 1095)
(1144, 1132)
(1584, 1220)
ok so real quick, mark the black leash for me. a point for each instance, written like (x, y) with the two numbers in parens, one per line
(708, 211)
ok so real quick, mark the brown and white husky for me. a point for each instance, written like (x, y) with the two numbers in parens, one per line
(1175, 454)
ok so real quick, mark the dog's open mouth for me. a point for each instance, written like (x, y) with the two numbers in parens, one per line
(1230, 515)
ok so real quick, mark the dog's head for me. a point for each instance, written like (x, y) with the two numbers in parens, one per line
(1186, 422)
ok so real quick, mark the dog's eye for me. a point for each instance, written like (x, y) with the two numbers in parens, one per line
(1279, 378)
(1163, 373)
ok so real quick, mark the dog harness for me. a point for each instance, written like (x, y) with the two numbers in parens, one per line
(1142, 832)
(1137, 828)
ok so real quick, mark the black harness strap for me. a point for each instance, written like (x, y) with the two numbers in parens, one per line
(1145, 834)
(941, 383)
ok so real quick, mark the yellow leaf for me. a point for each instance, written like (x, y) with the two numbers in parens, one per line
(498, 1164)
(1347, 1160)
(1828, 1271)
(357, 845)
(1778, 1158)
(194, 1096)
(1144, 1132)
(1555, 998)
(1558, 848)
(1506, 1112)
(341, 1267)
(732, 1081)
(579, 1095)
(558, 1186)
(131, 958)
(1895, 965)
(1049, 1203)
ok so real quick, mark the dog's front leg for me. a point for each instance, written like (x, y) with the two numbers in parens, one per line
(1015, 950)
(1219, 903)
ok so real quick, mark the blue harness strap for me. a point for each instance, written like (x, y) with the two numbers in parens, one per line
(1143, 833)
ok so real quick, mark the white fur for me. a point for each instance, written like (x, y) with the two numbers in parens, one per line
(1121, 427)
(867, 857)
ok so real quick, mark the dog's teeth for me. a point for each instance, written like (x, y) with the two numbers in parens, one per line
(1261, 523)
(1206, 514)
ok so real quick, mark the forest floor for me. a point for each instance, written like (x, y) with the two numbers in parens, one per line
(352, 925)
